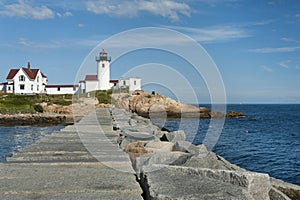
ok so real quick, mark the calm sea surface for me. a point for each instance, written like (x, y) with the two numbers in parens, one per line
(13, 139)
(267, 140)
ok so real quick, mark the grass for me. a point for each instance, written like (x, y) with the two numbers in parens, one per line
(11, 104)
(103, 96)
(27, 103)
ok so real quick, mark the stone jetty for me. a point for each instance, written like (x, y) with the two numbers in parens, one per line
(114, 154)
(59, 166)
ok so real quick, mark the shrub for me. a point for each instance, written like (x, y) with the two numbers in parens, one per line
(103, 96)
(38, 108)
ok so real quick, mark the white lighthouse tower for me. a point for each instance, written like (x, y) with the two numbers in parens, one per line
(103, 71)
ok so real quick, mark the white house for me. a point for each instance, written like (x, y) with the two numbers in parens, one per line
(25, 81)
(61, 89)
(131, 83)
(102, 81)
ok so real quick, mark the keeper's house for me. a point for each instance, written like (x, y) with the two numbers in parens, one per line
(32, 81)
(25, 81)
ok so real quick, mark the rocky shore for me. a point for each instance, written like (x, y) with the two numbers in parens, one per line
(40, 119)
(53, 115)
(140, 102)
(157, 105)
(169, 167)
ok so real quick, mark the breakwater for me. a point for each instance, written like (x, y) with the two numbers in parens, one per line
(113, 154)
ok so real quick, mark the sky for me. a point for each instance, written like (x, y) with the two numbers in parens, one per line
(255, 44)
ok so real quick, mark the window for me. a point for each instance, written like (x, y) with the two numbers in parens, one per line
(8, 88)
(58, 89)
(38, 79)
(134, 82)
(38, 88)
(124, 82)
(103, 65)
(31, 87)
(22, 87)
(74, 88)
(22, 78)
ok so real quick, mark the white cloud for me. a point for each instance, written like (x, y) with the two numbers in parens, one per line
(23, 42)
(213, 34)
(22, 9)
(81, 25)
(66, 14)
(285, 64)
(266, 68)
(285, 39)
(55, 44)
(275, 50)
(165, 8)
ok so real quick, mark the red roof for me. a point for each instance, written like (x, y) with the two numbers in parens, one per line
(91, 78)
(114, 81)
(103, 52)
(43, 75)
(12, 74)
(31, 73)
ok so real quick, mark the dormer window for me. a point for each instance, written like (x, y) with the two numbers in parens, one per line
(22, 78)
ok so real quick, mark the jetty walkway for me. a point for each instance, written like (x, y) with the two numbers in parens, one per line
(61, 165)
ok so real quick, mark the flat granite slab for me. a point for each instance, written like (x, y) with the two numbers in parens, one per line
(82, 161)
(66, 181)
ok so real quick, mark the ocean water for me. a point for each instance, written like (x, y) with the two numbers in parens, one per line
(13, 139)
(267, 140)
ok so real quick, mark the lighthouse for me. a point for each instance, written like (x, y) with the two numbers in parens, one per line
(103, 70)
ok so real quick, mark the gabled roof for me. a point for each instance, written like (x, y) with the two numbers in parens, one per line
(31, 73)
(43, 75)
(12, 74)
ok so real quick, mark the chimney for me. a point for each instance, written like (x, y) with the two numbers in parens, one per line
(28, 65)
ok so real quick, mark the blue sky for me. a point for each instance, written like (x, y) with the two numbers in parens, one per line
(255, 44)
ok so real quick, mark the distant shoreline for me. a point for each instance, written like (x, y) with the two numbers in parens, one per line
(37, 119)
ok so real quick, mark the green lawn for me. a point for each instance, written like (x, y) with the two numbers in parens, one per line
(26, 103)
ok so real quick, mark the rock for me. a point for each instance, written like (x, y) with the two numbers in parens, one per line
(275, 194)
(144, 162)
(175, 182)
(158, 106)
(234, 114)
(138, 136)
(290, 190)
(137, 147)
(159, 146)
(185, 146)
(211, 161)
(173, 136)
